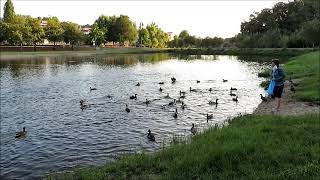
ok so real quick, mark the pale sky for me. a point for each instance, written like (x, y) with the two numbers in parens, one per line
(200, 18)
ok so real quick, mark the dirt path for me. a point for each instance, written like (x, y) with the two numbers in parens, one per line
(289, 105)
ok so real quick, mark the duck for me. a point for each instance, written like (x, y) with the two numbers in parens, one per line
(109, 96)
(161, 83)
(147, 101)
(133, 97)
(198, 81)
(232, 94)
(182, 93)
(138, 84)
(233, 89)
(151, 136)
(209, 116)
(182, 97)
(213, 103)
(264, 99)
(235, 99)
(193, 90)
(193, 129)
(179, 100)
(210, 89)
(82, 102)
(292, 88)
(92, 89)
(173, 79)
(175, 115)
(21, 133)
(224, 80)
(127, 109)
(172, 103)
(182, 105)
(160, 89)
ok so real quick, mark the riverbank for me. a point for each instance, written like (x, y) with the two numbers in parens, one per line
(85, 52)
(244, 51)
(258, 146)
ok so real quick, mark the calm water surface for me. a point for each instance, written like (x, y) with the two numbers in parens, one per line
(43, 95)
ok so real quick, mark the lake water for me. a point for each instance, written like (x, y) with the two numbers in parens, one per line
(43, 95)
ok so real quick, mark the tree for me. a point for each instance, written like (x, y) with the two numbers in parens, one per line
(153, 30)
(144, 37)
(36, 30)
(72, 33)
(54, 31)
(311, 32)
(183, 38)
(125, 29)
(97, 34)
(8, 14)
(4, 31)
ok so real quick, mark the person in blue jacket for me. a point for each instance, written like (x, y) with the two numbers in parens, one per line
(278, 76)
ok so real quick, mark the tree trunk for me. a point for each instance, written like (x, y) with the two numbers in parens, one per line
(54, 45)
(20, 46)
(72, 46)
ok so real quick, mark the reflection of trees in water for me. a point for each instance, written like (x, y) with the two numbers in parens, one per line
(262, 59)
(130, 60)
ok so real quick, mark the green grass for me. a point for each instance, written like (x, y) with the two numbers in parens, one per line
(86, 51)
(306, 69)
(251, 147)
(244, 51)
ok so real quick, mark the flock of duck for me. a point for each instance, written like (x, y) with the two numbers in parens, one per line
(182, 95)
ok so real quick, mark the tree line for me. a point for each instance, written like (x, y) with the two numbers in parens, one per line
(294, 24)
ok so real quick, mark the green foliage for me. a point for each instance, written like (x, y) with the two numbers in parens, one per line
(294, 25)
(125, 29)
(251, 147)
(72, 33)
(8, 14)
(54, 31)
(306, 68)
(4, 29)
(37, 33)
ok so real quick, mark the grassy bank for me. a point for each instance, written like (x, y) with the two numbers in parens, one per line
(251, 147)
(245, 51)
(14, 54)
(304, 69)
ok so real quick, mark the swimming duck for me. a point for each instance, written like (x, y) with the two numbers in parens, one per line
(138, 84)
(264, 99)
(182, 93)
(232, 94)
(235, 99)
(173, 79)
(213, 103)
(193, 129)
(92, 89)
(81, 102)
(133, 97)
(193, 90)
(209, 116)
(183, 106)
(147, 101)
(161, 83)
(21, 133)
(172, 103)
(179, 100)
(127, 109)
(160, 89)
(175, 115)
(151, 136)
(233, 89)
(198, 81)
(224, 80)
(210, 89)
(109, 96)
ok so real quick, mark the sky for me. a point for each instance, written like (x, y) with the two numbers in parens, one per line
(200, 18)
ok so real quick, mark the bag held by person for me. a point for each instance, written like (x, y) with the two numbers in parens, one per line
(271, 87)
